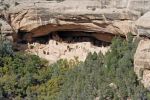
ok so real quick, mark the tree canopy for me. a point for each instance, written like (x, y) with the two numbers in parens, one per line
(106, 77)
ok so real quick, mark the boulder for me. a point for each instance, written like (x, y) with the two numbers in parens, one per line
(142, 62)
(5, 28)
(143, 25)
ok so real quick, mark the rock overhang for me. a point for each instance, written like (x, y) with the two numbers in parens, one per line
(41, 17)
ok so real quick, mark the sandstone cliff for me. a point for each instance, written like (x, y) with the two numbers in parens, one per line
(103, 17)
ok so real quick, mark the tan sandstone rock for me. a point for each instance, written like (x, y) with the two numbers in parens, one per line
(142, 62)
(42, 17)
(143, 24)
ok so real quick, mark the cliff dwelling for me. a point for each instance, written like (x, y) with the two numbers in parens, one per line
(63, 50)
(63, 45)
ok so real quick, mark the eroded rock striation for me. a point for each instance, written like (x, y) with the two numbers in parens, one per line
(101, 18)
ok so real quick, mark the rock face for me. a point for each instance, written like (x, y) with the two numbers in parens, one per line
(5, 28)
(110, 17)
(142, 62)
(143, 24)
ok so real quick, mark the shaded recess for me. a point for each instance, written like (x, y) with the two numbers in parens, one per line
(66, 36)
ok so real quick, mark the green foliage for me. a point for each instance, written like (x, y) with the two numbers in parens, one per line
(82, 81)
(5, 47)
(107, 77)
(119, 64)
(56, 0)
(29, 77)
